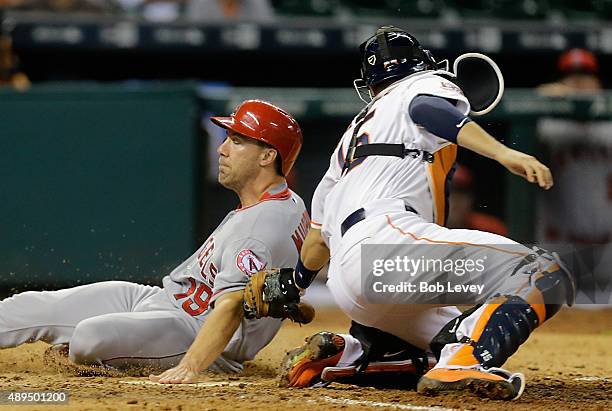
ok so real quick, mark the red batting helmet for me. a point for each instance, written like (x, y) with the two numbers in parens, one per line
(265, 122)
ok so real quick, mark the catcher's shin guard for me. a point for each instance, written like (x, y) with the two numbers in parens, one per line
(484, 337)
(490, 333)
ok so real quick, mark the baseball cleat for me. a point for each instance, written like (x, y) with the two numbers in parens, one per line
(493, 383)
(302, 366)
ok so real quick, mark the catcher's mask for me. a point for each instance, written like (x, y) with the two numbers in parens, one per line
(481, 81)
(391, 53)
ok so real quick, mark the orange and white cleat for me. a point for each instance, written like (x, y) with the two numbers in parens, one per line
(492, 383)
(317, 363)
(302, 367)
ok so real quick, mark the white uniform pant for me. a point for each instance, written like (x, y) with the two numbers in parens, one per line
(114, 323)
(406, 316)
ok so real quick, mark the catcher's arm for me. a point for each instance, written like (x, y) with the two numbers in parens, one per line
(473, 137)
(210, 342)
(313, 257)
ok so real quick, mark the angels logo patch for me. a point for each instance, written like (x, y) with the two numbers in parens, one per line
(249, 263)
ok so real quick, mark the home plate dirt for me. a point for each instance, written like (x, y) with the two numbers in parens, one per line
(568, 365)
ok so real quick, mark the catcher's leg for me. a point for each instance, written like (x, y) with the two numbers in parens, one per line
(474, 345)
(366, 356)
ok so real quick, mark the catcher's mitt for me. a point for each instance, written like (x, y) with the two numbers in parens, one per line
(272, 293)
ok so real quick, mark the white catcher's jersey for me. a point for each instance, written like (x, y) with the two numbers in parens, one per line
(265, 235)
(420, 184)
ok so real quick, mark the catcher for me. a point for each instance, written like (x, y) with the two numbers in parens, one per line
(383, 201)
(195, 322)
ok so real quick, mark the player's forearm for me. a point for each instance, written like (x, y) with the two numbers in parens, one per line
(314, 254)
(475, 138)
(216, 332)
(313, 257)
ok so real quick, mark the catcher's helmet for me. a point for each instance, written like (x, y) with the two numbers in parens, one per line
(265, 122)
(392, 53)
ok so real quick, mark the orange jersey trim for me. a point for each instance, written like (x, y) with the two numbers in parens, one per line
(444, 159)
(283, 195)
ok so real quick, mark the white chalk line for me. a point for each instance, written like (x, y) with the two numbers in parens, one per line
(197, 384)
(345, 401)
(604, 379)
(326, 398)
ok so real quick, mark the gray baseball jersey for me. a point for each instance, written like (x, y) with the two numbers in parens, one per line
(123, 324)
(268, 234)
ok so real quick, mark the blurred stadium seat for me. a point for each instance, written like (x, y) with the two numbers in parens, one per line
(416, 9)
(501, 9)
(395, 8)
(523, 9)
(366, 8)
(314, 8)
(578, 9)
(471, 8)
(605, 9)
(497, 9)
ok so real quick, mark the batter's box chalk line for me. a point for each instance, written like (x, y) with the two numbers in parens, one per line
(196, 384)
(346, 401)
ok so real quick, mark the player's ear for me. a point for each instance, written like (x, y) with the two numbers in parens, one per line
(268, 156)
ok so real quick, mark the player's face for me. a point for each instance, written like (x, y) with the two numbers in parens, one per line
(239, 158)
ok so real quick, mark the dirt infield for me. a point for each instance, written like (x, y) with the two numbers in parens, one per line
(568, 364)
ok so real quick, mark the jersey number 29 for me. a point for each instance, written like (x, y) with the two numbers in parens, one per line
(199, 299)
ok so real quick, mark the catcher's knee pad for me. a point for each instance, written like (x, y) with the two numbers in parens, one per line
(551, 285)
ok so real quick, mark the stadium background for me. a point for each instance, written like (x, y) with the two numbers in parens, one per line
(108, 164)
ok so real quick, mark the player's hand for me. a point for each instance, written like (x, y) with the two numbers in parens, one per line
(527, 167)
(184, 373)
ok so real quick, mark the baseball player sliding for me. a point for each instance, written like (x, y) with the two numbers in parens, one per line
(387, 185)
(196, 320)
